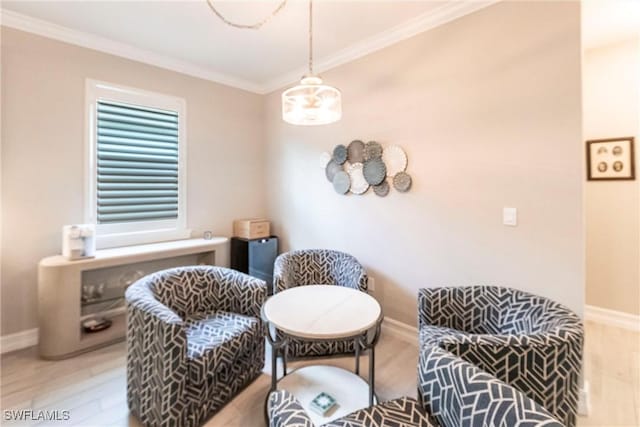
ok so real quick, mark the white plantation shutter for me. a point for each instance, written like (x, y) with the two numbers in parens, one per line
(137, 163)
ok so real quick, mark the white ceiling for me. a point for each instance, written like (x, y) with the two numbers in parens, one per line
(608, 21)
(186, 36)
(188, 31)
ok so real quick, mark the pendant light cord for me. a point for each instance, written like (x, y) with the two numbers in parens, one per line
(311, 37)
(255, 26)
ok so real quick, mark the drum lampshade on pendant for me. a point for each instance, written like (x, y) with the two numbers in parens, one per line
(311, 102)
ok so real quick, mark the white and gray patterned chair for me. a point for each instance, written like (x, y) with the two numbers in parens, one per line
(456, 393)
(452, 393)
(194, 339)
(527, 341)
(318, 267)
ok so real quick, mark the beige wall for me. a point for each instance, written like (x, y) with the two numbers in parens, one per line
(612, 109)
(43, 84)
(488, 109)
(487, 121)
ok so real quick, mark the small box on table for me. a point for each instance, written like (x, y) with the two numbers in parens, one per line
(256, 228)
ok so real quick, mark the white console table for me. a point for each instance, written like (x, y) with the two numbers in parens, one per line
(60, 291)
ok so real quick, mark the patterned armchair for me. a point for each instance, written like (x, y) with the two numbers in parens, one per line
(318, 267)
(527, 341)
(458, 394)
(452, 393)
(194, 339)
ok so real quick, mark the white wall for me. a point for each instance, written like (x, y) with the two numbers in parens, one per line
(611, 91)
(43, 89)
(488, 109)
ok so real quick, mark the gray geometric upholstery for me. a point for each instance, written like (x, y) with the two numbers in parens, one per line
(458, 394)
(194, 339)
(318, 267)
(526, 341)
(452, 393)
(286, 411)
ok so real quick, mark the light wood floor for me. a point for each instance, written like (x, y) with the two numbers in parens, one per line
(92, 386)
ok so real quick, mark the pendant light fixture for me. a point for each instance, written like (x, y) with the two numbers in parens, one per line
(311, 102)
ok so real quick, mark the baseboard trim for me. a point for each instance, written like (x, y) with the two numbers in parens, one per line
(615, 318)
(584, 404)
(400, 330)
(19, 340)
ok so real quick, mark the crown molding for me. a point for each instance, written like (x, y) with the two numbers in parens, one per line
(58, 32)
(446, 13)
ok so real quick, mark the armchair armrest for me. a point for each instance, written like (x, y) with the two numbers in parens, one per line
(286, 411)
(241, 293)
(350, 274)
(141, 301)
(428, 299)
(282, 274)
(156, 355)
(474, 309)
(505, 340)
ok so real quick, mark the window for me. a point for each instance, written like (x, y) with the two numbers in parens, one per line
(136, 165)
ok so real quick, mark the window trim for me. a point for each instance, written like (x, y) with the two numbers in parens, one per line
(131, 233)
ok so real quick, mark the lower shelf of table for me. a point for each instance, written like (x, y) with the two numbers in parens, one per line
(350, 390)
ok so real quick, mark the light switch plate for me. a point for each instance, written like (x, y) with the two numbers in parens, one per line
(371, 284)
(510, 217)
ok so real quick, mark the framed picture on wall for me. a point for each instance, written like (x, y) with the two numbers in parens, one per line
(610, 159)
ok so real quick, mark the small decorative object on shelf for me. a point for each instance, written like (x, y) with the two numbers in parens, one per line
(78, 241)
(359, 166)
(253, 228)
(208, 235)
(96, 324)
(323, 403)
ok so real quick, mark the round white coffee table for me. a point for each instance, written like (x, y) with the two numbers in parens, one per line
(318, 313)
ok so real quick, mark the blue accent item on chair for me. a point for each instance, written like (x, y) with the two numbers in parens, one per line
(194, 339)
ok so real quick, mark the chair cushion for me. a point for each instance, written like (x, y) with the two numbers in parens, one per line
(404, 412)
(216, 340)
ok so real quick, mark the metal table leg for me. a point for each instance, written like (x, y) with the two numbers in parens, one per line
(276, 347)
(372, 372)
(356, 344)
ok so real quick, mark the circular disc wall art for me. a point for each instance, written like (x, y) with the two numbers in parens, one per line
(402, 182)
(355, 151)
(341, 182)
(340, 154)
(374, 171)
(382, 189)
(372, 150)
(324, 159)
(332, 169)
(359, 184)
(395, 159)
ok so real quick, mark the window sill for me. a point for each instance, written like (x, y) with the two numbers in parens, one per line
(105, 241)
